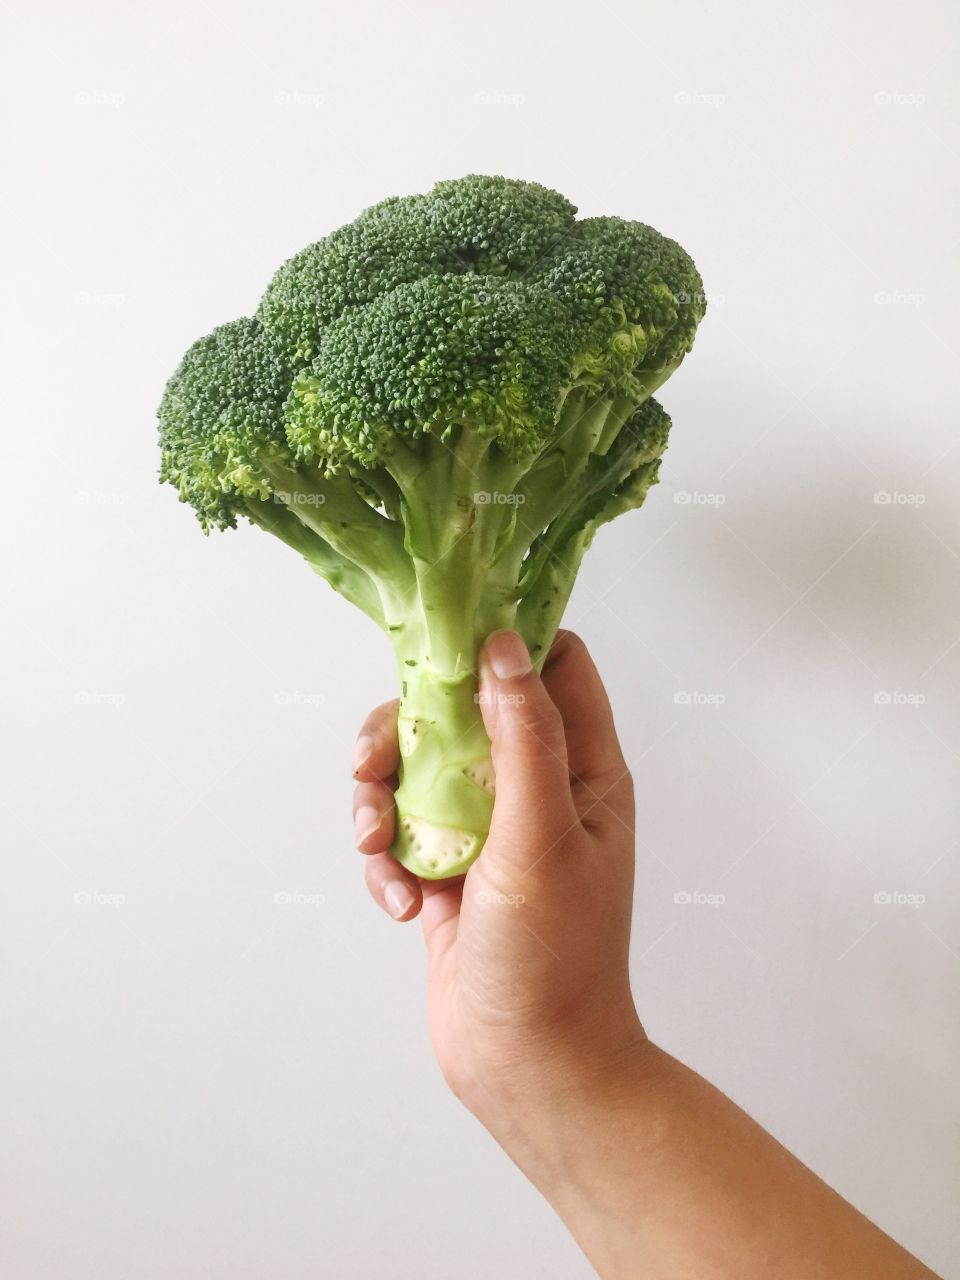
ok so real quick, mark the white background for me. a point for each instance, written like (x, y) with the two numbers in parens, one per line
(202, 1082)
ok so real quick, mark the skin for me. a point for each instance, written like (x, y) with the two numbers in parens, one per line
(656, 1173)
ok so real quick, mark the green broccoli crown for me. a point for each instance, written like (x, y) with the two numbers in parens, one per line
(480, 305)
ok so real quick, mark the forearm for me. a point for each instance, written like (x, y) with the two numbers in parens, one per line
(658, 1175)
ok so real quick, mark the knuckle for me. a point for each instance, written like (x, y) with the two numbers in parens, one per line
(567, 645)
(371, 878)
(571, 641)
(380, 719)
(614, 782)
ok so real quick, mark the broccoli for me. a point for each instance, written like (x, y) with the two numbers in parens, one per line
(437, 406)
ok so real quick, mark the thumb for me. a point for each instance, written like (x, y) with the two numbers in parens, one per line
(534, 805)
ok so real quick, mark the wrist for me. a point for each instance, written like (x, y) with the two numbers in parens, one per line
(594, 1141)
(555, 1116)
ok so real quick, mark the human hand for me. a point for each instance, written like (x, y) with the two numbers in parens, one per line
(527, 954)
(654, 1171)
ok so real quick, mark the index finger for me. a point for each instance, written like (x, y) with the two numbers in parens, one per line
(376, 756)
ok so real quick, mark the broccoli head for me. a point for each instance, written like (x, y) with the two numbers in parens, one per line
(437, 406)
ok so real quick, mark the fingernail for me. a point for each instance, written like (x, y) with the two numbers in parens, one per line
(507, 655)
(361, 751)
(398, 898)
(366, 822)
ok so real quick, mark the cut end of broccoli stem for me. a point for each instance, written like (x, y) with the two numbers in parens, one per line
(432, 851)
(444, 798)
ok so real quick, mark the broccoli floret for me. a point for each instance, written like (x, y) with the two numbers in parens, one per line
(472, 351)
(635, 296)
(438, 406)
(491, 226)
(221, 412)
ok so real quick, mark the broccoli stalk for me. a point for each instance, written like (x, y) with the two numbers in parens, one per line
(437, 407)
(468, 584)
